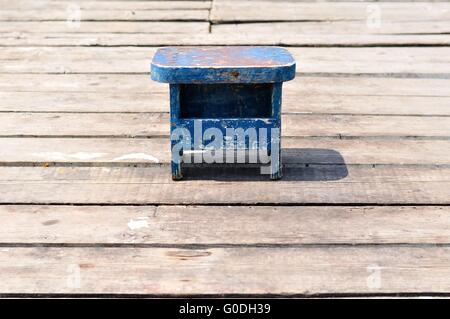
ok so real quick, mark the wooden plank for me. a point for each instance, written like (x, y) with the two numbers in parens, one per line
(156, 124)
(124, 151)
(105, 15)
(90, 83)
(68, 60)
(363, 86)
(371, 60)
(351, 86)
(85, 102)
(323, 11)
(378, 60)
(84, 124)
(104, 5)
(361, 125)
(239, 225)
(140, 39)
(294, 102)
(305, 94)
(334, 27)
(49, 27)
(225, 270)
(313, 184)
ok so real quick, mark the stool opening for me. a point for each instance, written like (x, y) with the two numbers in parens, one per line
(225, 100)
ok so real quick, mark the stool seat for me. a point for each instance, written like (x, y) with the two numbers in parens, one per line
(234, 64)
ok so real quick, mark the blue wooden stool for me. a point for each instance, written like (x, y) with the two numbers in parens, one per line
(223, 99)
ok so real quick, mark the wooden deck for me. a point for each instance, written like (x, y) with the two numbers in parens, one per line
(87, 201)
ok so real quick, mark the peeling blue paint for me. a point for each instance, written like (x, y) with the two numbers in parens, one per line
(222, 65)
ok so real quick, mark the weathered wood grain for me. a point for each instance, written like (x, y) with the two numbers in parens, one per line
(225, 270)
(322, 11)
(335, 27)
(352, 86)
(88, 102)
(305, 94)
(378, 60)
(156, 124)
(105, 15)
(83, 124)
(241, 225)
(140, 39)
(125, 151)
(361, 125)
(105, 27)
(314, 184)
(104, 5)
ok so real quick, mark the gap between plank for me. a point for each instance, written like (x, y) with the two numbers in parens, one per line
(371, 45)
(223, 245)
(284, 113)
(339, 136)
(399, 75)
(146, 164)
(134, 296)
(310, 204)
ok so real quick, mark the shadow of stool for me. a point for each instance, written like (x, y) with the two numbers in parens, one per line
(300, 164)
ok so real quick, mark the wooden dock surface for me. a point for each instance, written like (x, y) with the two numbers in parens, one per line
(87, 204)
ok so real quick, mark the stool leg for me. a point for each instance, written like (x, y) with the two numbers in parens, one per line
(276, 167)
(176, 167)
(174, 115)
(176, 171)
